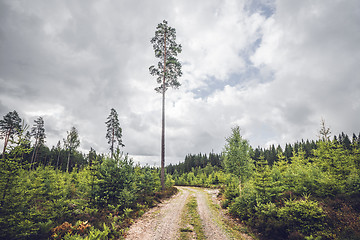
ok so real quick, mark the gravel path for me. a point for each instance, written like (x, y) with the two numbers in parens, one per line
(211, 228)
(163, 221)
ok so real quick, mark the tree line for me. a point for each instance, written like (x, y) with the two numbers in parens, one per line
(64, 156)
(61, 193)
(270, 154)
(312, 193)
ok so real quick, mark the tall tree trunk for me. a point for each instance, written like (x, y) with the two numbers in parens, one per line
(7, 136)
(163, 143)
(112, 142)
(57, 162)
(33, 157)
(163, 123)
(68, 162)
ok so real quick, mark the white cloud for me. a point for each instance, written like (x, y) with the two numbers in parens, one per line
(273, 68)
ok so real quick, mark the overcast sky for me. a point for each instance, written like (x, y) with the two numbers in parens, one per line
(275, 68)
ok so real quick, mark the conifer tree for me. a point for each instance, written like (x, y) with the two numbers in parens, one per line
(167, 72)
(38, 132)
(114, 131)
(262, 180)
(324, 132)
(9, 126)
(58, 150)
(71, 143)
(10, 166)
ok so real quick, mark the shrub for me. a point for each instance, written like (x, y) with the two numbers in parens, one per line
(116, 184)
(304, 215)
(266, 221)
(244, 205)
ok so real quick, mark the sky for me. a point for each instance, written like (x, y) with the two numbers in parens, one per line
(273, 68)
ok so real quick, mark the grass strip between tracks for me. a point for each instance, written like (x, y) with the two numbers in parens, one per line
(191, 225)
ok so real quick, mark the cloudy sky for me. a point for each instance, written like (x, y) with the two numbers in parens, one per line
(275, 68)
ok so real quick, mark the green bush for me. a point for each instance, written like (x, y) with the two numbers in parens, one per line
(116, 184)
(305, 216)
(266, 220)
(243, 206)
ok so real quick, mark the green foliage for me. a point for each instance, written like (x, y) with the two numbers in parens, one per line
(167, 72)
(243, 206)
(147, 183)
(116, 183)
(305, 216)
(201, 178)
(169, 181)
(191, 217)
(237, 157)
(272, 200)
(275, 198)
(38, 132)
(232, 190)
(9, 127)
(211, 162)
(264, 184)
(94, 199)
(166, 49)
(71, 143)
(44, 198)
(114, 131)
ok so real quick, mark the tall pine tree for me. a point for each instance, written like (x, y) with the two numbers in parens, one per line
(167, 72)
(71, 143)
(114, 131)
(9, 126)
(38, 132)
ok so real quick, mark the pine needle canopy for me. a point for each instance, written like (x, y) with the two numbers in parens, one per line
(166, 49)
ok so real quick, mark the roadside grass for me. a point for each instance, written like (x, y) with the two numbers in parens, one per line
(235, 230)
(191, 226)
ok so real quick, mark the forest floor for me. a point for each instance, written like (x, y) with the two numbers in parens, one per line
(167, 221)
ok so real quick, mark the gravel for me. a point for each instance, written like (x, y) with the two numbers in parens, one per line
(163, 221)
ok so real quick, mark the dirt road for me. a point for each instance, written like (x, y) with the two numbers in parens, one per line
(163, 222)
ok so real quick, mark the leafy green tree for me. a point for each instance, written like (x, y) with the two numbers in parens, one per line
(71, 143)
(114, 131)
(9, 126)
(237, 157)
(38, 132)
(167, 72)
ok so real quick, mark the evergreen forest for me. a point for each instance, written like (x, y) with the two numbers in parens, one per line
(306, 190)
(61, 193)
(309, 190)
